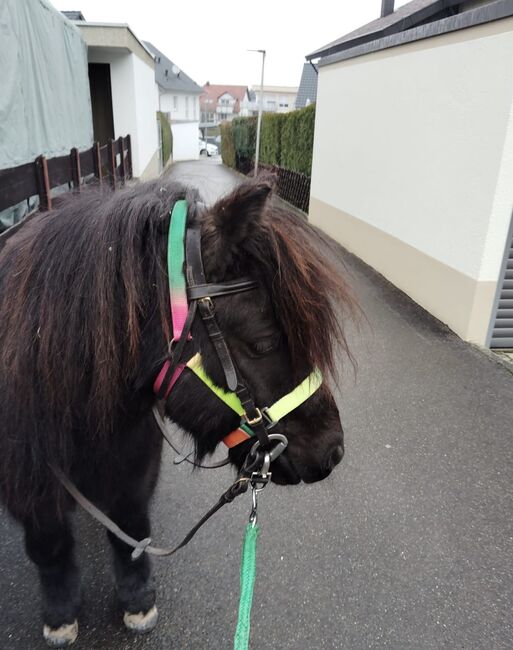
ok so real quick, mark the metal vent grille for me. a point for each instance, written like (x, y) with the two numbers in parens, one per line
(502, 334)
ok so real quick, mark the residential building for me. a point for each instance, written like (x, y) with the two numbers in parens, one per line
(124, 95)
(307, 91)
(277, 99)
(413, 157)
(221, 103)
(179, 99)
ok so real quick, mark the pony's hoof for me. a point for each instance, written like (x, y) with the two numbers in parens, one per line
(141, 622)
(60, 637)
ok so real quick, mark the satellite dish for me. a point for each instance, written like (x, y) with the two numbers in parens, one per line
(176, 70)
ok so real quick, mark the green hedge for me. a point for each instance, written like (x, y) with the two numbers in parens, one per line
(167, 136)
(297, 140)
(270, 138)
(286, 140)
(244, 137)
(228, 145)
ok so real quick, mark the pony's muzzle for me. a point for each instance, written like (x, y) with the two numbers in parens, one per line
(333, 458)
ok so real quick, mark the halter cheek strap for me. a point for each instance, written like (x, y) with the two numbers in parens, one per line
(168, 374)
(272, 414)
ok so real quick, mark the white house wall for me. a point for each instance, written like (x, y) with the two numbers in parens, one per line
(146, 104)
(185, 141)
(134, 106)
(167, 105)
(412, 166)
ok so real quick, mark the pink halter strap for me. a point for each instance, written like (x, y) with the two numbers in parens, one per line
(177, 288)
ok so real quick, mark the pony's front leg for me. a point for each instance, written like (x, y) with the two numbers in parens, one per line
(135, 590)
(49, 544)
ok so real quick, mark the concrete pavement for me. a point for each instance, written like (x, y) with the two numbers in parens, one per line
(409, 545)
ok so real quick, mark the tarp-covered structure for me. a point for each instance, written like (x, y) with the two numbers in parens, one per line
(45, 105)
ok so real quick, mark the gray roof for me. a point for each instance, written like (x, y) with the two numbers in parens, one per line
(73, 15)
(416, 20)
(169, 76)
(307, 91)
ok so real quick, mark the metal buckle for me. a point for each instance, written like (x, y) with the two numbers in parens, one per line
(258, 482)
(269, 422)
(277, 450)
(256, 420)
(208, 303)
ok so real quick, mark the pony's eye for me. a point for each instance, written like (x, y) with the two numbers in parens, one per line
(261, 347)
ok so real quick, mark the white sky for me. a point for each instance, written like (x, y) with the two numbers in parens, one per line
(209, 40)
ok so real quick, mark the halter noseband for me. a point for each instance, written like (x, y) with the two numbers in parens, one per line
(189, 293)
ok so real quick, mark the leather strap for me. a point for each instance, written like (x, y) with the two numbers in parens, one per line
(196, 291)
(172, 369)
(196, 276)
(144, 546)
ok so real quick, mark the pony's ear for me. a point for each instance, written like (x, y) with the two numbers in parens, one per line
(236, 214)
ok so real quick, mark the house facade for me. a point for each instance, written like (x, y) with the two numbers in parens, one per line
(277, 99)
(220, 103)
(124, 95)
(413, 157)
(179, 99)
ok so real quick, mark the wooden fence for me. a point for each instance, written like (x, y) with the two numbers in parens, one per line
(110, 163)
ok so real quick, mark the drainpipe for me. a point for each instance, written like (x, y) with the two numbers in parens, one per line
(387, 7)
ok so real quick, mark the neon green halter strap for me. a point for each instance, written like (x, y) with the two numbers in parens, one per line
(278, 410)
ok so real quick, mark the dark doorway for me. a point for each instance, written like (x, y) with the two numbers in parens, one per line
(101, 101)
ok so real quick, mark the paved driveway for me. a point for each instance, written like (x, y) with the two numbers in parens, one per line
(407, 546)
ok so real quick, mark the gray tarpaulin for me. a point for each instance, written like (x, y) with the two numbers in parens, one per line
(45, 105)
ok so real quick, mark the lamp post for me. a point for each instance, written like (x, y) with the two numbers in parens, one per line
(260, 109)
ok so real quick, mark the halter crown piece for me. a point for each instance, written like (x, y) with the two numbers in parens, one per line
(189, 292)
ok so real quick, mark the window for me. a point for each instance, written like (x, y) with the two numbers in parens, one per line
(186, 107)
(175, 102)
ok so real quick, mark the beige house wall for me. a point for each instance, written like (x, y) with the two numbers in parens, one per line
(413, 167)
(453, 297)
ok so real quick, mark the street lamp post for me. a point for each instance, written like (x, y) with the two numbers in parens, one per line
(260, 109)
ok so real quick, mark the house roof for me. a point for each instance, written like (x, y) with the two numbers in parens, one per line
(414, 21)
(113, 36)
(307, 92)
(212, 93)
(169, 76)
(73, 15)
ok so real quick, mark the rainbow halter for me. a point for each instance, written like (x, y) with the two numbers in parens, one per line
(189, 292)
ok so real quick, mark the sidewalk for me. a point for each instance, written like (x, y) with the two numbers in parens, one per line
(408, 545)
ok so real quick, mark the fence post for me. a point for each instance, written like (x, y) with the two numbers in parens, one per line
(75, 168)
(112, 162)
(97, 162)
(129, 156)
(122, 170)
(43, 184)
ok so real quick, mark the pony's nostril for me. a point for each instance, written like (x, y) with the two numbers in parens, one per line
(334, 457)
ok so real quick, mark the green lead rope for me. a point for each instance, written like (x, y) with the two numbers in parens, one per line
(247, 583)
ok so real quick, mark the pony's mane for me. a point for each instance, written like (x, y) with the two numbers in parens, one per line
(310, 295)
(77, 284)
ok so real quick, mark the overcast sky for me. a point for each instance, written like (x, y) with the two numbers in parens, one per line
(209, 40)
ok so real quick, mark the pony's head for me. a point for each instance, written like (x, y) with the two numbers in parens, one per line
(85, 324)
(277, 333)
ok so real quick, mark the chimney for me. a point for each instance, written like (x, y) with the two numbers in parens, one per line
(387, 7)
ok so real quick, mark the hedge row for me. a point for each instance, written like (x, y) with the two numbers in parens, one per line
(166, 136)
(286, 140)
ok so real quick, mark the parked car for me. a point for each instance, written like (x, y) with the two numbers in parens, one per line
(207, 149)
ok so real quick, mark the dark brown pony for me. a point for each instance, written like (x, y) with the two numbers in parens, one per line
(84, 330)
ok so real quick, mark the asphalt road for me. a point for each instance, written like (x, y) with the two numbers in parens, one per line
(407, 546)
